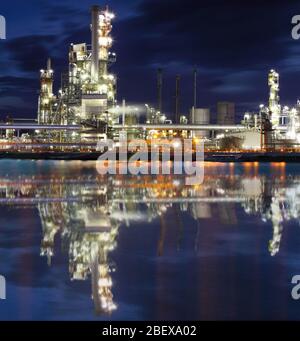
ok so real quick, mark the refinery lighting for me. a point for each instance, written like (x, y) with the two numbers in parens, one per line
(88, 102)
(110, 15)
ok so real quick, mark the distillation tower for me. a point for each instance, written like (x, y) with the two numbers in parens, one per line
(88, 91)
(46, 99)
(274, 106)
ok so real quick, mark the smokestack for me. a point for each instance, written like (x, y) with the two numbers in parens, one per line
(195, 88)
(159, 89)
(95, 44)
(177, 99)
(49, 64)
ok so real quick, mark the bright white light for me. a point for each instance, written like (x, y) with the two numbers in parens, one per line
(105, 41)
(176, 183)
(176, 144)
(294, 111)
(105, 282)
(103, 88)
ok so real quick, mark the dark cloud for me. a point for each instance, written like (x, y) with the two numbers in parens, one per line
(9, 83)
(18, 96)
(59, 12)
(28, 52)
(209, 33)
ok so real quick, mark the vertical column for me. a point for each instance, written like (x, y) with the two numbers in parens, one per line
(95, 44)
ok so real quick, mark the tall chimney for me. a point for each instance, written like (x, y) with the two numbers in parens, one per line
(195, 89)
(177, 99)
(159, 89)
(95, 44)
(49, 64)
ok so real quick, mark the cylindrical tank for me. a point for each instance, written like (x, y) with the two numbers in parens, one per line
(225, 113)
(200, 116)
(131, 119)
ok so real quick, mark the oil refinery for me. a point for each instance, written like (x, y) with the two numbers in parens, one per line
(86, 110)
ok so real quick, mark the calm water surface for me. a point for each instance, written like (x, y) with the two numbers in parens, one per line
(76, 245)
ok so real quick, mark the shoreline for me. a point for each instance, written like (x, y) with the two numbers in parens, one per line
(293, 157)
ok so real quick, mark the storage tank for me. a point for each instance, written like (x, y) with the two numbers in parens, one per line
(225, 113)
(200, 116)
(130, 120)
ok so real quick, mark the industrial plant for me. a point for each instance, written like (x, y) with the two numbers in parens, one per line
(86, 110)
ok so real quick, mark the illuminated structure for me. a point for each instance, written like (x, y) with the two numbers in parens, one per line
(86, 110)
(274, 106)
(88, 90)
(46, 99)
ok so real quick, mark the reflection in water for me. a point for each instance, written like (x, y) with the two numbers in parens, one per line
(87, 210)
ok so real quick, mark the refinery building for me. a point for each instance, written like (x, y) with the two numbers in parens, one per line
(85, 109)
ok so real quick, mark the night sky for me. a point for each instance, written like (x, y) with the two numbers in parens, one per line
(232, 43)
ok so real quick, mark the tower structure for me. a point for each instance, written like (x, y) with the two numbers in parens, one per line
(89, 90)
(177, 99)
(274, 106)
(159, 90)
(195, 88)
(46, 98)
(98, 94)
